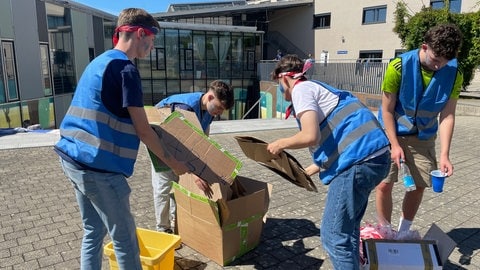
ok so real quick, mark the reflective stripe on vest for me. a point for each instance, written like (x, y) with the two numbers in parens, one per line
(349, 134)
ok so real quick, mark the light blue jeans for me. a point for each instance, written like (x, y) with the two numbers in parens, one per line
(164, 202)
(103, 200)
(345, 206)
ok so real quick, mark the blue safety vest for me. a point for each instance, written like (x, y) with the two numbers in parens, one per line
(193, 100)
(416, 110)
(349, 134)
(90, 133)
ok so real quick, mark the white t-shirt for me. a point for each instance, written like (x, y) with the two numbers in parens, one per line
(310, 96)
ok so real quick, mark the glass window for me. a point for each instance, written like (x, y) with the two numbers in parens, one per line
(321, 20)
(374, 15)
(225, 54)
(199, 54)
(45, 67)
(375, 56)
(237, 55)
(455, 5)
(212, 57)
(159, 91)
(61, 40)
(10, 73)
(3, 94)
(186, 49)
(172, 53)
(108, 30)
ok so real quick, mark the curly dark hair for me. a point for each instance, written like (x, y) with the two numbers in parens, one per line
(223, 92)
(444, 39)
(290, 62)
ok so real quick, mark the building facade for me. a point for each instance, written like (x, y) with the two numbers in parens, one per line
(47, 44)
(364, 29)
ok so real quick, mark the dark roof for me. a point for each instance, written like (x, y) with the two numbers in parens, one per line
(197, 6)
(229, 10)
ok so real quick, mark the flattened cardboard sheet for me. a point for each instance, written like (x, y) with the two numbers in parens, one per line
(283, 164)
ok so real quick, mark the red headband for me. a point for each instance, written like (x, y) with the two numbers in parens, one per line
(132, 28)
(306, 66)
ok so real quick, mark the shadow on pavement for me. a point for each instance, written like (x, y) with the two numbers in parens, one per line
(282, 239)
(468, 241)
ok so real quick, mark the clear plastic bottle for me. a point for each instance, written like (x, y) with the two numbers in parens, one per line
(406, 177)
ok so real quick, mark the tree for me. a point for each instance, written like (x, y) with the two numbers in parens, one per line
(411, 28)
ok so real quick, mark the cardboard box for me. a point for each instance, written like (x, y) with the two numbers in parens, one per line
(283, 164)
(221, 229)
(429, 253)
(186, 143)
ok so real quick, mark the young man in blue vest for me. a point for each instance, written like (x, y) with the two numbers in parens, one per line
(206, 106)
(100, 137)
(346, 142)
(419, 86)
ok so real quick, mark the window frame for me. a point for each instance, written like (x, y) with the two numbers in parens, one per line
(322, 21)
(378, 16)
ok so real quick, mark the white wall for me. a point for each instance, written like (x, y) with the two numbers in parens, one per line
(346, 22)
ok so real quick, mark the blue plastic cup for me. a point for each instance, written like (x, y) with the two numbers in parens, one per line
(438, 180)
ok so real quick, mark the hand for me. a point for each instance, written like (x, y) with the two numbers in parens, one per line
(274, 147)
(397, 154)
(203, 186)
(445, 166)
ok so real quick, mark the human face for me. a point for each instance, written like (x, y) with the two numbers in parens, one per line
(147, 38)
(214, 106)
(432, 62)
(283, 87)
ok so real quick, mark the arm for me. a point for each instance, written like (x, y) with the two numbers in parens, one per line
(148, 136)
(312, 169)
(389, 101)
(446, 127)
(309, 135)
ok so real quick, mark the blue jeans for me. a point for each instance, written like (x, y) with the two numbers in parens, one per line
(103, 200)
(345, 206)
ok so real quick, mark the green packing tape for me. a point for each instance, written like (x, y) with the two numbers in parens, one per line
(198, 197)
(243, 225)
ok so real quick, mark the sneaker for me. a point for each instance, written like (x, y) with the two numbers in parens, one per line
(179, 246)
(169, 231)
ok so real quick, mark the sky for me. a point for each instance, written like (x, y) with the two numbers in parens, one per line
(152, 6)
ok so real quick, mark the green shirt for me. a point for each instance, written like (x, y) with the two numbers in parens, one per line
(393, 78)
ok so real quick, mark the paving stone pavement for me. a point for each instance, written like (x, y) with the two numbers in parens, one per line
(40, 224)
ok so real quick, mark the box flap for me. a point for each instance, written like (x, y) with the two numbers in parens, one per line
(445, 244)
(196, 205)
(189, 145)
(220, 190)
(247, 207)
(283, 164)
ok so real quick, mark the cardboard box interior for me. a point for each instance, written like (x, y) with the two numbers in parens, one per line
(222, 229)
